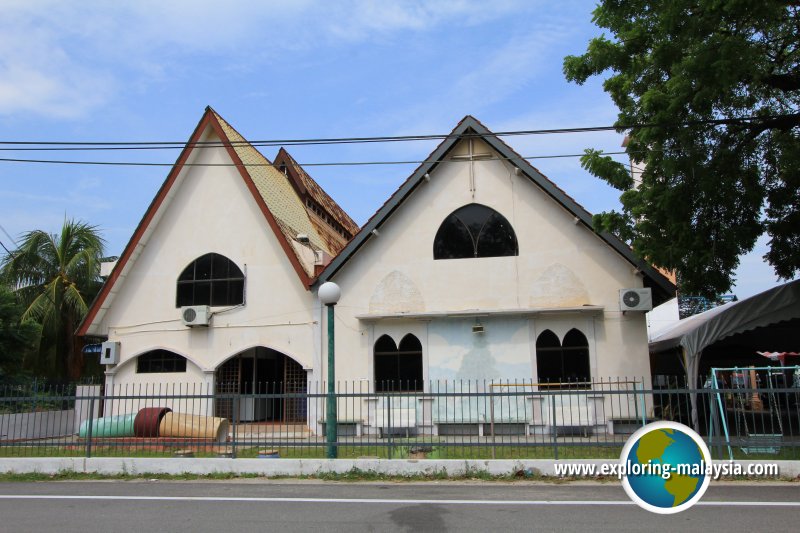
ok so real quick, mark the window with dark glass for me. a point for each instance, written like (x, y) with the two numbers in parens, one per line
(474, 231)
(398, 369)
(211, 279)
(160, 361)
(563, 365)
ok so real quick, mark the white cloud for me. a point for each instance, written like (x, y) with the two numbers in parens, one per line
(38, 75)
(77, 200)
(64, 59)
(507, 69)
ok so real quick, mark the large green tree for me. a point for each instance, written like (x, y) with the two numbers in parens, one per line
(55, 276)
(708, 92)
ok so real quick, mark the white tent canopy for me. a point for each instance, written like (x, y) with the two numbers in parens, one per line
(692, 335)
(696, 332)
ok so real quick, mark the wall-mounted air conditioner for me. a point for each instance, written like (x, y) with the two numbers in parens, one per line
(195, 315)
(635, 299)
(109, 353)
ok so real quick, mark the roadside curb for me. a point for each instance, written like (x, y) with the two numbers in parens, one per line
(441, 468)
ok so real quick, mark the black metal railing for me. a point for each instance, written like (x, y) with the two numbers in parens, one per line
(435, 420)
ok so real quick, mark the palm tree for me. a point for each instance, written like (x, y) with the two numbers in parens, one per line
(54, 277)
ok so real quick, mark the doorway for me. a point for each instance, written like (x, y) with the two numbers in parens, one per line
(261, 376)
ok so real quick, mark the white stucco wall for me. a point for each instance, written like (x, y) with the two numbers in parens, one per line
(560, 264)
(210, 210)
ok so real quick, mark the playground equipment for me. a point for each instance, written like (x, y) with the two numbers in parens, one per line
(758, 425)
(156, 422)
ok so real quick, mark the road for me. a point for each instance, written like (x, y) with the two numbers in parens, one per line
(258, 505)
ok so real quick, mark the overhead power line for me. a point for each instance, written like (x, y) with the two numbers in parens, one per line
(328, 164)
(163, 145)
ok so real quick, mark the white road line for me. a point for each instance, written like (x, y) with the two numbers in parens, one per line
(369, 500)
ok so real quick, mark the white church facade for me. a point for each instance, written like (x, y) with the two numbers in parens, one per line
(477, 269)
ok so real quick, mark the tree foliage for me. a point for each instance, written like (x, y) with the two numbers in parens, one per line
(55, 277)
(17, 339)
(709, 93)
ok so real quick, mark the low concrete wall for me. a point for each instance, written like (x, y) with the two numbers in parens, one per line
(305, 467)
(36, 425)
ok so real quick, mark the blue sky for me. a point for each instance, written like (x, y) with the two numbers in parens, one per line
(145, 70)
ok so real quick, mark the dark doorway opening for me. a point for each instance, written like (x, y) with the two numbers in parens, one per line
(265, 382)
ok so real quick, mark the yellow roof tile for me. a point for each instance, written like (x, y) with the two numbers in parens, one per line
(274, 187)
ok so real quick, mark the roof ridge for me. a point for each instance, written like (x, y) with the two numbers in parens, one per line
(546, 184)
(210, 119)
(339, 213)
(242, 138)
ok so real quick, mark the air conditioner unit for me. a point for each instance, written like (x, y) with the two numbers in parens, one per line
(195, 315)
(109, 353)
(635, 299)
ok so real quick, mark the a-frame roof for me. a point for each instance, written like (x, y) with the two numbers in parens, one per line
(334, 225)
(284, 211)
(469, 126)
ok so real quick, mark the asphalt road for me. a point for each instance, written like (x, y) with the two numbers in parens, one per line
(257, 505)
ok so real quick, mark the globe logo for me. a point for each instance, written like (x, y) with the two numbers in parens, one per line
(666, 467)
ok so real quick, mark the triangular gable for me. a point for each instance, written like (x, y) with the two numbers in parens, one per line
(663, 289)
(279, 195)
(334, 225)
(286, 217)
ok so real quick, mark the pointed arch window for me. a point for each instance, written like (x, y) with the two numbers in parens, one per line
(475, 230)
(563, 364)
(211, 279)
(398, 369)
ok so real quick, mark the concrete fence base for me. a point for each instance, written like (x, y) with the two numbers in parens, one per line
(308, 467)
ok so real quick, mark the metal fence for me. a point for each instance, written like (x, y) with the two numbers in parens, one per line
(441, 420)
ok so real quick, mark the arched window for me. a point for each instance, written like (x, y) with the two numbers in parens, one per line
(566, 364)
(211, 279)
(576, 356)
(474, 231)
(160, 361)
(398, 370)
(548, 357)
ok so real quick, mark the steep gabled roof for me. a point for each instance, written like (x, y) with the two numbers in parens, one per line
(273, 187)
(334, 225)
(283, 209)
(663, 289)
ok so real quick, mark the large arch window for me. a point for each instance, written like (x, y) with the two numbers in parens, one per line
(211, 279)
(563, 364)
(160, 361)
(398, 369)
(475, 231)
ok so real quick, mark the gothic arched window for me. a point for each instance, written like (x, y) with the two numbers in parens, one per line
(398, 369)
(563, 364)
(475, 230)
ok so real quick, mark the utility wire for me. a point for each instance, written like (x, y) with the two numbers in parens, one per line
(6, 249)
(127, 145)
(330, 164)
(9, 236)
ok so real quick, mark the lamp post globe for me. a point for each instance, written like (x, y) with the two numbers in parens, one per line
(329, 293)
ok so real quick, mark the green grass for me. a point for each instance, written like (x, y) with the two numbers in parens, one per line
(402, 449)
(783, 454)
(80, 451)
(438, 450)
